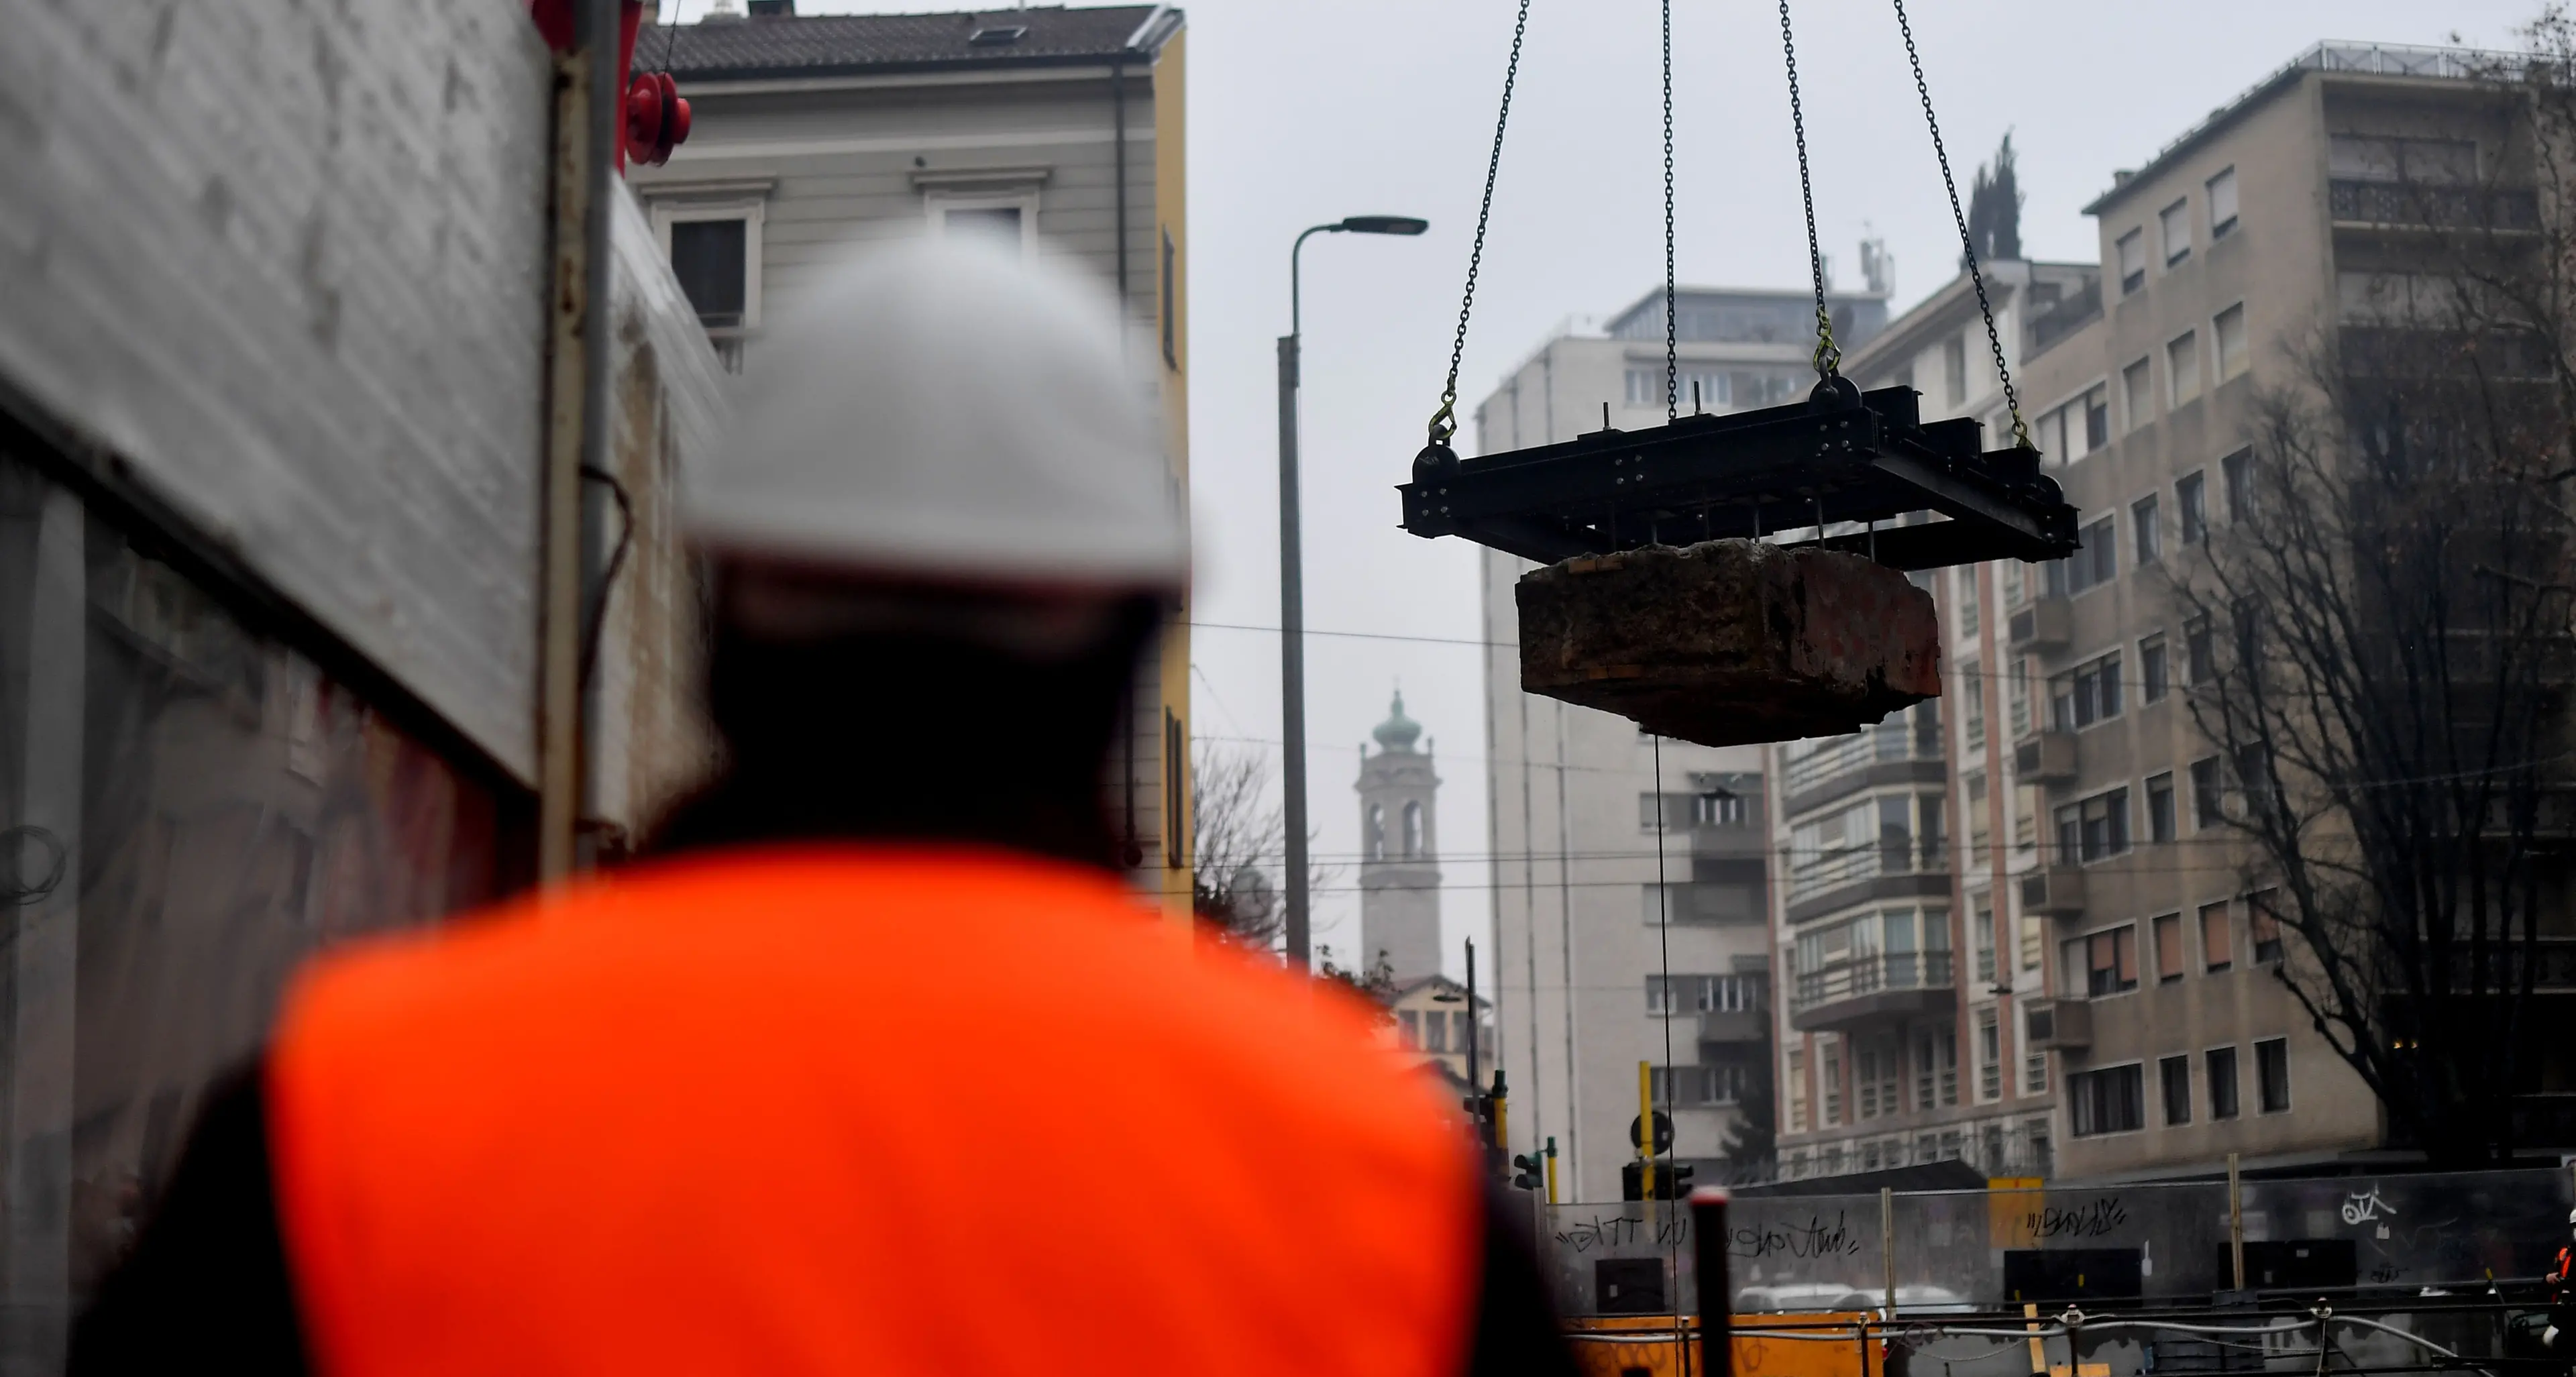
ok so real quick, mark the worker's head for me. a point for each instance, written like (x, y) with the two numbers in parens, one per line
(939, 538)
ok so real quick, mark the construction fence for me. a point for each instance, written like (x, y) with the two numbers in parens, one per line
(1934, 1252)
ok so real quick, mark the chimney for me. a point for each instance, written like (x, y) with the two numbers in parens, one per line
(2120, 176)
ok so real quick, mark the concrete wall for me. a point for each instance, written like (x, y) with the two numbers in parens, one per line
(284, 262)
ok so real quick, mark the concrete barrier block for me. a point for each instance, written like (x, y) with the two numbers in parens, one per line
(1730, 641)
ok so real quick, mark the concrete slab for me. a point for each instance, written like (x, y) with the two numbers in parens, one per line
(1730, 641)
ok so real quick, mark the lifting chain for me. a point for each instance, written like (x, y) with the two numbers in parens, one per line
(1444, 422)
(1967, 243)
(1672, 335)
(1829, 356)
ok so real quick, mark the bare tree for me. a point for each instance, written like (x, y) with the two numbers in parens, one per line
(2378, 640)
(1238, 845)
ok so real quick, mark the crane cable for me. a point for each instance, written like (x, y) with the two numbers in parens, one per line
(1444, 422)
(1967, 242)
(1829, 356)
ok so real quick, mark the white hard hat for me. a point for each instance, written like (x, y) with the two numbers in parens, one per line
(943, 412)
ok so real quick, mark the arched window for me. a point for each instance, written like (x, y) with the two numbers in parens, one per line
(1412, 831)
(1375, 842)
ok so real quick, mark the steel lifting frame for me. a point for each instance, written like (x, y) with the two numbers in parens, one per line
(1842, 457)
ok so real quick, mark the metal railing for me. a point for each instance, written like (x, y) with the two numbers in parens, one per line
(2443, 207)
(1863, 975)
(1887, 741)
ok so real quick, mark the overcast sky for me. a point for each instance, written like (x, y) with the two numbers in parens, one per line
(1303, 111)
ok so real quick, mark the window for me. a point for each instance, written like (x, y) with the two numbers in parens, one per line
(1981, 939)
(2263, 928)
(711, 258)
(2221, 1062)
(2034, 1073)
(1875, 1074)
(1171, 301)
(2217, 939)
(1972, 707)
(1376, 839)
(1645, 387)
(1990, 1055)
(1936, 1066)
(1719, 1083)
(2146, 531)
(2272, 1075)
(1833, 1079)
(2105, 963)
(2222, 204)
(2238, 471)
(2137, 390)
(2152, 682)
(2198, 661)
(2174, 225)
(1435, 1032)
(2096, 560)
(2034, 941)
(2441, 162)
(2168, 930)
(2160, 807)
(1796, 1079)
(2191, 507)
(1954, 370)
(2208, 796)
(1411, 1022)
(2094, 829)
(1703, 994)
(2097, 417)
(2175, 1072)
(1717, 808)
(2182, 366)
(2111, 1100)
(2132, 250)
(1967, 599)
(2086, 695)
(1412, 831)
(2229, 330)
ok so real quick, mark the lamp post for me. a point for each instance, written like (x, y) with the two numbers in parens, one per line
(1292, 591)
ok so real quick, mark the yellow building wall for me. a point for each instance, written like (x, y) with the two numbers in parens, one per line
(1171, 226)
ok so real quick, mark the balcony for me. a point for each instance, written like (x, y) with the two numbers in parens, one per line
(2422, 206)
(1896, 751)
(1865, 989)
(2053, 889)
(2065, 1024)
(2043, 623)
(1735, 1025)
(2045, 757)
(1887, 870)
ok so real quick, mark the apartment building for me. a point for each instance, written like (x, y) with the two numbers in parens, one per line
(1901, 949)
(2114, 983)
(1630, 877)
(1056, 132)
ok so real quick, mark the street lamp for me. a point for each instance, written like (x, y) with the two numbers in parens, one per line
(1292, 591)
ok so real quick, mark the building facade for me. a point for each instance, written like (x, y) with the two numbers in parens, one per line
(2115, 986)
(1056, 132)
(1399, 852)
(1898, 945)
(1630, 876)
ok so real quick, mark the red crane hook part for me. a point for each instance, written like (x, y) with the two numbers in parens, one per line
(657, 118)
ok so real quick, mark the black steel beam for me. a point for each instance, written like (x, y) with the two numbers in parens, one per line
(1841, 457)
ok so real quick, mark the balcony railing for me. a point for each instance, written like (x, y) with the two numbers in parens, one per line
(1888, 740)
(1867, 975)
(2417, 205)
(1813, 875)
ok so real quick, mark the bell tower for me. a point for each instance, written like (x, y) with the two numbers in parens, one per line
(1399, 851)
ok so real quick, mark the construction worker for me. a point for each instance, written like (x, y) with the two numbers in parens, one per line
(878, 1065)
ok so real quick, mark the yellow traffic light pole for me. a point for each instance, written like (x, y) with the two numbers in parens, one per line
(1646, 1128)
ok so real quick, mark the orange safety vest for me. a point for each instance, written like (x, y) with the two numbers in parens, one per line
(855, 1110)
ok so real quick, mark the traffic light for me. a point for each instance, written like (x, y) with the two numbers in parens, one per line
(1532, 1171)
(1672, 1180)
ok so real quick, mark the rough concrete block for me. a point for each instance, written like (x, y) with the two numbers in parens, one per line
(1730, 641)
